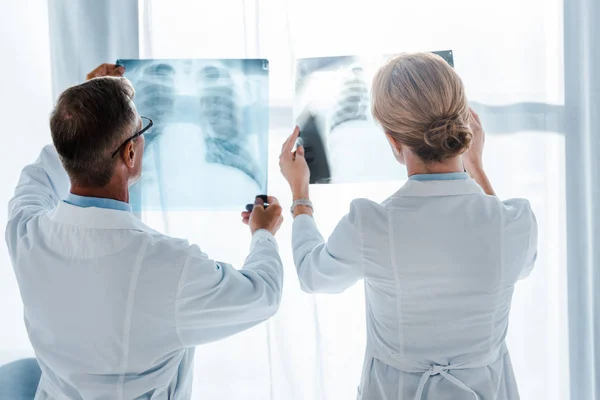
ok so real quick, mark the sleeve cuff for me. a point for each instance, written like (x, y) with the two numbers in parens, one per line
(303, 220)
(263, 235)
(300, 217)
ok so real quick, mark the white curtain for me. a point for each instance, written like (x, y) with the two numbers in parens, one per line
(25, 102)
(582, 98)
(510, 55)
(85, 34)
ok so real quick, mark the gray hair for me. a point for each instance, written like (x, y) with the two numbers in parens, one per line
(89, 122)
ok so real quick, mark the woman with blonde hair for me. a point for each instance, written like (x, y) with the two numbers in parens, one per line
(439, 258)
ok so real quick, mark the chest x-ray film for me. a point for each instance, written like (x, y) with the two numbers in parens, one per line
(332, 108)
(208, 147)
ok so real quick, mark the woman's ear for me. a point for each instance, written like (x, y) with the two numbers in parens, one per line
(396, 147)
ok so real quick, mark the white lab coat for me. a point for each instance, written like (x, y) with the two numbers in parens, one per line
(114, 309)
(439, 260)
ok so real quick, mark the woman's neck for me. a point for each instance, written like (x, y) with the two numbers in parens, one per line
(416, 166)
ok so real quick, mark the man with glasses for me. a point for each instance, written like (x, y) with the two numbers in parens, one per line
(114, 309)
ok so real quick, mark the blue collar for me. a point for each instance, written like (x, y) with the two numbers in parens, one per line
(84, 201)
(440, 177)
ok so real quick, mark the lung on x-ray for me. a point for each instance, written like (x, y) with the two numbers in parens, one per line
(332, 108)
(208, 146)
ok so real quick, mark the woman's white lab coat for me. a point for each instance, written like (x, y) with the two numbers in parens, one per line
(439, 260)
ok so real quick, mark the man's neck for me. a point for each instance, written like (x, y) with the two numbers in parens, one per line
(106, 192)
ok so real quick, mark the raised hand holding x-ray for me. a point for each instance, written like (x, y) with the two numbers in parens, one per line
(293, 165)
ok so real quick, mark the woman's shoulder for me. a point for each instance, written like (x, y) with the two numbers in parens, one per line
(518, 211)
(368, 217)
(367, 210)
(518, 205)
(361, 204)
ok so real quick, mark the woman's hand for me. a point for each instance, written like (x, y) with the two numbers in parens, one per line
(473, 158)
(294, 167)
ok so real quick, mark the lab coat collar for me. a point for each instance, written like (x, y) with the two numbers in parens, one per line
(414, 188)
(96, 218)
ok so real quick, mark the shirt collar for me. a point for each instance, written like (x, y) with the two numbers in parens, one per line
(85, 202)
(440, 177)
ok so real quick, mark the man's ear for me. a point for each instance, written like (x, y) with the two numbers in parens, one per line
(129, 154)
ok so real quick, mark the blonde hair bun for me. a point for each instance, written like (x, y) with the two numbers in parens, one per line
(445, 138)
(420, 101)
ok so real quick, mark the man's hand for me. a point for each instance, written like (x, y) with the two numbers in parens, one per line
(261, 218)
(106, 70)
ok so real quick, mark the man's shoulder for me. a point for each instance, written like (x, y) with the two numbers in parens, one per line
(163, 244)
(106, 224)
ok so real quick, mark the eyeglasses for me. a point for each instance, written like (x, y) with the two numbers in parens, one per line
(140, 133)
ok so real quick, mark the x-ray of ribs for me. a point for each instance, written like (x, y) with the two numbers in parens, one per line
(220, 99)
(155, 95)
(352, 102)
(208, 97)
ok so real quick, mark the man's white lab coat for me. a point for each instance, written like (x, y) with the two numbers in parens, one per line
(114, 309)
(439, 260)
